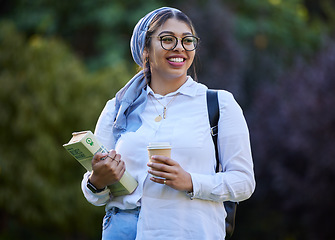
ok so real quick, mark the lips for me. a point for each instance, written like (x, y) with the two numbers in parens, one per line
(176, 61)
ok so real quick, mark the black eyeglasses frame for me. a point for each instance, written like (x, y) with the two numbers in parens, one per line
(160, 38)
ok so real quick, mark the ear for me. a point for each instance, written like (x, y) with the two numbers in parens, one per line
(145, 54)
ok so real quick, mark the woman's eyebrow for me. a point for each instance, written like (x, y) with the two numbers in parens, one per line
(172, 33)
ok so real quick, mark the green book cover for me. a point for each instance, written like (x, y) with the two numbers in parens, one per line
(82, 146)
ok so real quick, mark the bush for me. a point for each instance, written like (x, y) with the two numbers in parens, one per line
(46, 93)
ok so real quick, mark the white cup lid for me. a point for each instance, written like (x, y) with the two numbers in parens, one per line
(159, 145)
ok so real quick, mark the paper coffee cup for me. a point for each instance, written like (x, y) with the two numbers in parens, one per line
(159, 148)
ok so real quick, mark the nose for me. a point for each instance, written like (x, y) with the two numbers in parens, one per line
(179, 46)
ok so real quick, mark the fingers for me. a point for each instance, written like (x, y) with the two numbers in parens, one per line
(122, 170)
(163, 159)
(108, 163)
(99, 156)
(107, 168)
(168, 172)
(112, 154)
(181, 182)
(160, 174)
(163, 181)
(114, 157)
(163, 164)
(161, 167)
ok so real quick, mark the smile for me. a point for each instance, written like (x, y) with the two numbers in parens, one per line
(177, 60)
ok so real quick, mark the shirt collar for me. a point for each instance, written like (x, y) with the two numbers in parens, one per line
(188, 89)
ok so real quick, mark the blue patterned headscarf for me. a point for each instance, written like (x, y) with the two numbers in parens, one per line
(131, 100)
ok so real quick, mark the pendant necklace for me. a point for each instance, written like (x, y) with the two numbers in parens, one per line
(160, 117)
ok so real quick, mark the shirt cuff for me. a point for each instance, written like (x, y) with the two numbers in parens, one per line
(209, 187)
(97, 199)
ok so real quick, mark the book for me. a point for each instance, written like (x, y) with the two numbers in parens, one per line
(83, 146)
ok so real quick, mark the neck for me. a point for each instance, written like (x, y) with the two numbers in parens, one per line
(166, 86)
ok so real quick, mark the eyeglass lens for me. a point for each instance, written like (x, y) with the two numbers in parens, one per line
(169, 42)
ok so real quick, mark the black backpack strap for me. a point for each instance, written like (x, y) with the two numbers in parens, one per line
(214, 115)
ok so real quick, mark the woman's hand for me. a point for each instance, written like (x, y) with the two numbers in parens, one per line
(172, 173)
(108, 168)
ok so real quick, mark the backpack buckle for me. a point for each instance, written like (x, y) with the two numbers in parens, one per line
(214, 130)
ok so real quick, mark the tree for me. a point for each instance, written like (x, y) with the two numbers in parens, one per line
(266, 52)
(293, 132)
(98, 31)
(46, 93)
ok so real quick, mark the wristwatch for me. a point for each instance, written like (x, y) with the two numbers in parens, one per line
(93, 188)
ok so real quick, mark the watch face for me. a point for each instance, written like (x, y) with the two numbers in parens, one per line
(91, 187)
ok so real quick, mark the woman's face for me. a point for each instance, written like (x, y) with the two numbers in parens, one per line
(170, 64)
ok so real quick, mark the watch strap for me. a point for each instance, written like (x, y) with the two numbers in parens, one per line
(93, 188)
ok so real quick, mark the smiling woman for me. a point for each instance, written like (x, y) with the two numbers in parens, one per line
(167, 34)
(178, 195)
(169, 59)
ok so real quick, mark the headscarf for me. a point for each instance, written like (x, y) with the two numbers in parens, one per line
(131, 100)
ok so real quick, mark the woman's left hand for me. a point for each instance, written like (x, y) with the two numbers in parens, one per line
(170, 173)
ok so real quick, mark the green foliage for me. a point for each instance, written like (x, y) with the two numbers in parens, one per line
(280, 26)
(46, 93)
(99, 31)
(270, 35)
(245, 47)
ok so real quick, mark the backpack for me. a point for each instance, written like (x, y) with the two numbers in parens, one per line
(214, 115)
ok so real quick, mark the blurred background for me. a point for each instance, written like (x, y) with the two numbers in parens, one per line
(60, 61)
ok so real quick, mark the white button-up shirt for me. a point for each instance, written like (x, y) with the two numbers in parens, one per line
(165, 212)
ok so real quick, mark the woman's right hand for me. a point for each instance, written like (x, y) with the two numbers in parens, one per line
(107, 168)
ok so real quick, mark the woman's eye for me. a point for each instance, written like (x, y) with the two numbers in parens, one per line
(167, 39)
(189, 40)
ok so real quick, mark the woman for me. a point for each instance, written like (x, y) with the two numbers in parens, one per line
(181, 197)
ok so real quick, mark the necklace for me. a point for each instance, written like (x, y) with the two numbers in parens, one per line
(159, 117)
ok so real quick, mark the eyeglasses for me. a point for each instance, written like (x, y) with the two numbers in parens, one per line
(169, 42)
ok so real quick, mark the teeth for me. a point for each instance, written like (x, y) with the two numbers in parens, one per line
(176, 59)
